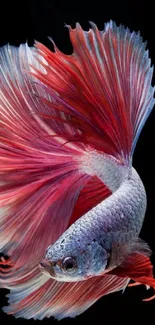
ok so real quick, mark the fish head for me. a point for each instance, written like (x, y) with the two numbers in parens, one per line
(74, 258)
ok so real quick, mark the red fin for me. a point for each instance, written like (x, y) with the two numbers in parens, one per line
(137, 267)
(40, 179)
(105, 86)
(93, 193)
(40, 298)
(39, 174)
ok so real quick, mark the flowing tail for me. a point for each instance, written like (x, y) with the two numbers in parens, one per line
(53, 109)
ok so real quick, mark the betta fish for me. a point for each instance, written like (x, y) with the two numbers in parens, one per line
(71, 204)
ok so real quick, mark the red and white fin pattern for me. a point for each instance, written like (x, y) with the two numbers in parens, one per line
(103, 88)
(52, 108)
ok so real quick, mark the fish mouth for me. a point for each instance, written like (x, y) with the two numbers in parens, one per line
(46, 267)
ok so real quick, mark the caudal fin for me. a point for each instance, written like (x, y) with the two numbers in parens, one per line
(103, 88)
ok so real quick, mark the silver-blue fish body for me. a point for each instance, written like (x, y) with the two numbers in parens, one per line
(115, 221)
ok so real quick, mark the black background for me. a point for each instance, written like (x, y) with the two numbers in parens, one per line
(36, 19)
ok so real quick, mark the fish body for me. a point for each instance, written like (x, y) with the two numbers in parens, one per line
(115, 221)
(71, 203)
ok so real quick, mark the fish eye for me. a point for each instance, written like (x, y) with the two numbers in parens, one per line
(69, 265)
